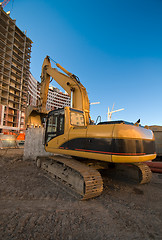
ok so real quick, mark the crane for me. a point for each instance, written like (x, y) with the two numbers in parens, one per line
(110, 112)
(4, 3)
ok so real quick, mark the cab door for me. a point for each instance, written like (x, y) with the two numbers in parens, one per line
(54, 128)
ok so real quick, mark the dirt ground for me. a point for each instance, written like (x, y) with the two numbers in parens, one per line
(33, 207)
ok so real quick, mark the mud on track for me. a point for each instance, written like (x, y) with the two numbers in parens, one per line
(33, 207)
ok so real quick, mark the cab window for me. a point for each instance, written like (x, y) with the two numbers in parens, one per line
(77, 118)
(55, 125)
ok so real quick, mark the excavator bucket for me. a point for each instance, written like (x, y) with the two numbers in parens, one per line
(34, 117)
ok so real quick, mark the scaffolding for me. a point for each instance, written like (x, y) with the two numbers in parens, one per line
(15, 53)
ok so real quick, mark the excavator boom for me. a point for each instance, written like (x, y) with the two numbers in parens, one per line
(69, 82)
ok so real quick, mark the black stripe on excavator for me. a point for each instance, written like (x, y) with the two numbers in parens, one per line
(127, 147)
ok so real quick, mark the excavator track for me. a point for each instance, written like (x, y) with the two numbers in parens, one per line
(84, 179)
(138, 172)
(144, 172)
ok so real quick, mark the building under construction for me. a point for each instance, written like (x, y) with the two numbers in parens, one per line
(18, 88)
(15, 53)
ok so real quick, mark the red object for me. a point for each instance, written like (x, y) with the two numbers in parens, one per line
(155, 166)
(157, 170)
(21, 136)
(4, 3)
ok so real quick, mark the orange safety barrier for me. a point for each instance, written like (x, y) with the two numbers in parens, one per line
(21, 136)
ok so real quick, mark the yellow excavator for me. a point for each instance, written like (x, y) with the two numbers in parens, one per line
(79, 146)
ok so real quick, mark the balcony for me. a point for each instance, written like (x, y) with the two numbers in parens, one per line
(16, 75)
(18, 42)
(3, 30)
(14, 88)
(17, 62)
(18, 56)
(17, 35)
(4, 23)
(15, 80)
(16, 68)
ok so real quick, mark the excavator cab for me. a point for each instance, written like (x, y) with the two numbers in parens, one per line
(60, 122)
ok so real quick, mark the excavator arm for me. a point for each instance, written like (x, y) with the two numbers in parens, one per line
(69, 82)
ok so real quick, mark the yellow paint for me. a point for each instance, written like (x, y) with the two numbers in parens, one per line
(132, 159)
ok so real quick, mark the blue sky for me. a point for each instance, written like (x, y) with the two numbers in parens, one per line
(114, 47)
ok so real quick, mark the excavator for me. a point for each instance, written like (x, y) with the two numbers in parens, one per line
(81, 148)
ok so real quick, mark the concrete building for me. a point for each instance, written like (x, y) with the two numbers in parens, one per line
(56, 99)
(15, 50)
(33, 93)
